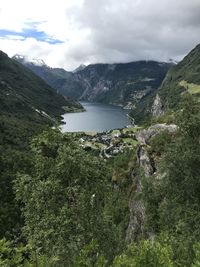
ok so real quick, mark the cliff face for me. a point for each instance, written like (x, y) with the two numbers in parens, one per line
(136, 229)
(146, 168)
(118, 84)
(157, 107)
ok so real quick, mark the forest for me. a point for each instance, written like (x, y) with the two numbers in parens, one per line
(61, 207)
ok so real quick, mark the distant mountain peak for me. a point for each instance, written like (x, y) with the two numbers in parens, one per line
(19, 57)
(37, 62)
(26, 59)
(81, 67)
(171, 60)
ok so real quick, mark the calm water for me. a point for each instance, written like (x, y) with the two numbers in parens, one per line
(97, 117)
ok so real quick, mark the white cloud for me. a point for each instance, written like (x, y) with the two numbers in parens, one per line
(102, 30)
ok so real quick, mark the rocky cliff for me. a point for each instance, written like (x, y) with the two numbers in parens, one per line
(146, 167)
(118, 84)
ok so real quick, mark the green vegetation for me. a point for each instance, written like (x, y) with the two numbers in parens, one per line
(184, 76)
(180, 78)
(27, 106)
(192, 88)
(146, 254)
(25, 95)
(61, 206)
(75, 206)
(172, 201)
(124, 83)
(67, 194)
(130, 141)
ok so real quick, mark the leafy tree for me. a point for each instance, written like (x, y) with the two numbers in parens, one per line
(145, 254)
(172, 201)
(89, 256)
(11, 256)
(197, 255)
(181, 182)
(63, 196)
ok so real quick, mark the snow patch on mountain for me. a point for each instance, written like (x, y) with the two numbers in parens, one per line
(26, 59)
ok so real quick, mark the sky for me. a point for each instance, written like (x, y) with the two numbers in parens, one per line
(67, 33)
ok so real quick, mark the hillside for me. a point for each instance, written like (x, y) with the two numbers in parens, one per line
(26, 102)
(118, 84)
(182, 77)
(27, 106)
(24, 92)
(52, 76)
(185, 76)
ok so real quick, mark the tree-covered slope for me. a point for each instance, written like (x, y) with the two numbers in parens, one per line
(27, 105)
(52, 76)
(119, 84)
(22, 93)
(185, 76)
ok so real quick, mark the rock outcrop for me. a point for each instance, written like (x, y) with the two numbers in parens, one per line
(146, 167)
(136, 228)
(144, 136)
(157, 107)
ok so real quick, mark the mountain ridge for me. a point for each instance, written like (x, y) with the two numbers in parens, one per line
(180, 78)
(23, 93)
(122, 84)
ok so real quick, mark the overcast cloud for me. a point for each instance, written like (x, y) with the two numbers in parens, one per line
(67, 33)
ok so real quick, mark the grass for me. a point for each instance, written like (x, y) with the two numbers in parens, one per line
(115, 132)
(130, 141)
(133, 129)
(192, 88)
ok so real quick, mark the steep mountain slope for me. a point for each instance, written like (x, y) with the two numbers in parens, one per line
(27, 103)
(185, 76)
(182, 77)
(118, 84)
(23, 92)
(27, 106)
(81, 67)
(52, 76)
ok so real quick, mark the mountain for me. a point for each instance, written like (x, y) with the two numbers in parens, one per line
(52, 76)
(81, 67)
(182, 77)
(121, 84)
(185, 76)
(26, 100)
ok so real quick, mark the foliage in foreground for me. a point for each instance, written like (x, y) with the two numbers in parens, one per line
(75, 216)
(173, 201)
